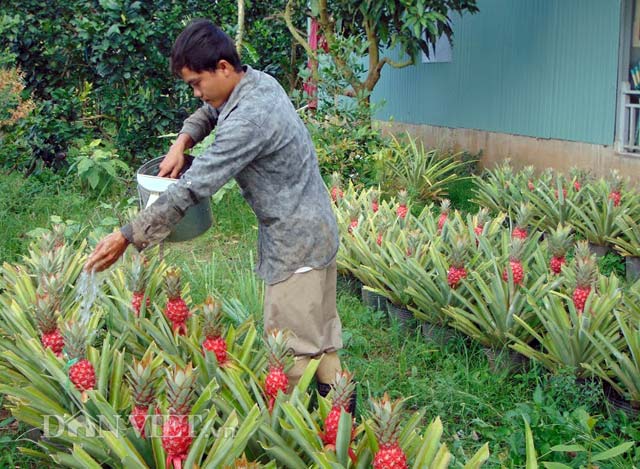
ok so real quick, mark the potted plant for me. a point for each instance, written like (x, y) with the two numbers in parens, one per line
(566, 322)
(595, 219)
(620, 366)
(627, 243)
(495, 295)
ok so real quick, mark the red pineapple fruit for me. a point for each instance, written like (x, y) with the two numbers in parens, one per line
(137, 277)
(386, 426)
(578, 176)
(341, 396)
(81, 372)
(528, 175)
(382, 227)
(445, 207)
(559, 242)
(176, 309)
(457, 270)
(212, 330)
(402, 208)
(523, 216)
(586, 271)
(279, 362)
(481, 219)
(46, 313)
(515, 262)
(564, 193)
(336, 188)
(177, 432)
(374, 196)
(354, 216)
(615, 188)
(143, 377)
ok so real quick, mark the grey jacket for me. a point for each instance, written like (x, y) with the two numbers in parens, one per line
(262, 142)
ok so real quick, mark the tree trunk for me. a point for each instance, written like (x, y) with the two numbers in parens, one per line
(240, 31)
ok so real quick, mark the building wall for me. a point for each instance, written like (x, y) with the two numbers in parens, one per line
(541, 153)
(539, 68)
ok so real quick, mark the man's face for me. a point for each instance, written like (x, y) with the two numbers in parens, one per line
(212, 88)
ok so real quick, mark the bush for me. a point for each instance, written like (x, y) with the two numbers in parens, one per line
(99, 69)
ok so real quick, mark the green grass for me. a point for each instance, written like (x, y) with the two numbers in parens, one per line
(476, 405)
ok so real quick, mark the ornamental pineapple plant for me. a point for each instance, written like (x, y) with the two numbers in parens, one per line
(457, 270)
(212, 330)
(523, 217)
(445, 207)
(354, 218)
(336, 191)
(386, 426)
(515, 262)
(137, 278)
(586, 271)
(481, 219)
(81, 371)
(374, 204)
(177, 431)
(144, 380)
(559, 241)
(280, 360)
(47, 314)
(402, 209)
(176, 309)
(579, 177)
(615, 188)
(342, 400)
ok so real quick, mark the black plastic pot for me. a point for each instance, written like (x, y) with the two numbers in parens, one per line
(505, 360)
(437, 334)
(598, 249)
(349, 283)
(632, 409)
(632, 267)
(400, 314)
(373, 300)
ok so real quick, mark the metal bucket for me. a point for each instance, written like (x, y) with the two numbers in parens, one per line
(197, 218)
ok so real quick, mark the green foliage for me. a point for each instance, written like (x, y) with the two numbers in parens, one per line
(345, 142)
(424, 174)
(612, 263)
(100, 69)
(98, 166)
(357, 30)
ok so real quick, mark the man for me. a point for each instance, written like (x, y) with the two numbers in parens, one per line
(262, 143)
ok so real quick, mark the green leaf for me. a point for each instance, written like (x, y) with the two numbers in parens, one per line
(568, 448)
(532, 460)
(613, 452)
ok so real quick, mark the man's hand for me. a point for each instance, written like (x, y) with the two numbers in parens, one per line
(108, 251)
(173, 161)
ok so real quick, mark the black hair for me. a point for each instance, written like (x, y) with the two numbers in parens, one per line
(201, 46)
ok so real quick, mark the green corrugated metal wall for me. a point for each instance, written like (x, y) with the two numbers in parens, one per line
(542, 68)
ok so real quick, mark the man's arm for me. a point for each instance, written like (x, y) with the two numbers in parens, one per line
(194, 129)
(236, 145)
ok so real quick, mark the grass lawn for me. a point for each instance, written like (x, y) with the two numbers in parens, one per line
(455, 382)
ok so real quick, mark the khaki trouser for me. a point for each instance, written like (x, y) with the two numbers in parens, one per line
(305, 305)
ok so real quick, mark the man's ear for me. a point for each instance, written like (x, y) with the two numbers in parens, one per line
(224, 66)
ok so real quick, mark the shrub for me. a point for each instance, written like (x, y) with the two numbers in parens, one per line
(100, 69)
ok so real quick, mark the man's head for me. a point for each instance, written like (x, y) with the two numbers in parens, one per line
(206, 58)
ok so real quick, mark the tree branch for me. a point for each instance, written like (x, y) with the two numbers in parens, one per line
(327, 27)
(295, 32)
